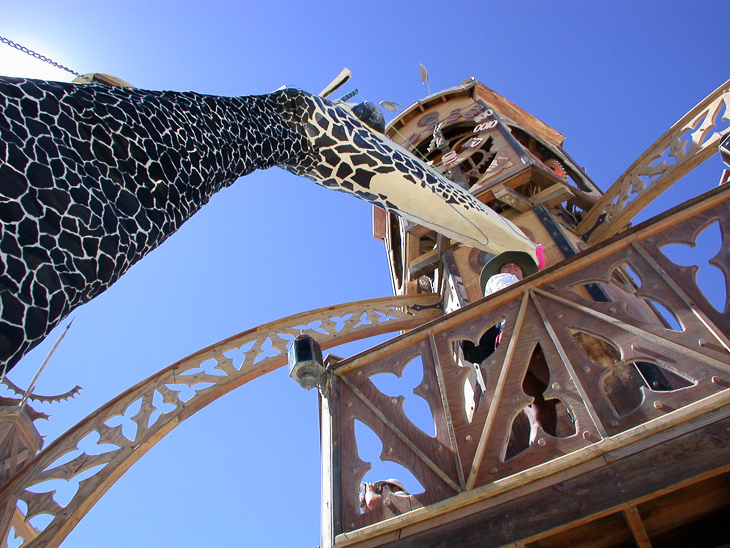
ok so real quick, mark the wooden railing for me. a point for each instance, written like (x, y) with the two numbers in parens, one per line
(652, 346)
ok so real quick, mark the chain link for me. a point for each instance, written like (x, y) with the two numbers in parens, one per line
(41, 57)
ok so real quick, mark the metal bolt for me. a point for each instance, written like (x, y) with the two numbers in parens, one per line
(658, 404)
(468, 438)
(541, 442)
(629, 251)
(702, 342)
(389, 450)
(556, 386)
(716, 380)
(614, 423)
(393, 400)
(612, 310)
(560, 315)
(349, 404)
(586, 435)
(425, 387)
(493, 470)
(586, 369)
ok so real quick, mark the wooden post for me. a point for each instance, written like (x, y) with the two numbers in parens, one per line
(329, 421)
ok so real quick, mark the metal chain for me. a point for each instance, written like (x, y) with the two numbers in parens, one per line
(41, 57)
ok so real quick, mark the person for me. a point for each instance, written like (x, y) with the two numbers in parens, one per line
(391, 491)
(498, 273)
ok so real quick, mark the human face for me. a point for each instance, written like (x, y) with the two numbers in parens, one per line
(512, 268)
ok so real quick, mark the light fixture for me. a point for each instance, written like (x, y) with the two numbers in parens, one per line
(306, 365)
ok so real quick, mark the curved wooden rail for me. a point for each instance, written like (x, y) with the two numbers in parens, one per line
(210, 373)
(688, 143)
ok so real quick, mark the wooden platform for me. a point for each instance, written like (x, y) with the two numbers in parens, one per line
(641, 452)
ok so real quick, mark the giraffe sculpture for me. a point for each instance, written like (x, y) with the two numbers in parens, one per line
(93, 177)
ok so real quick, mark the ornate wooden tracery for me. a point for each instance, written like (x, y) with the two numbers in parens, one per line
(688, 143)
(173, 394)
(605, 395)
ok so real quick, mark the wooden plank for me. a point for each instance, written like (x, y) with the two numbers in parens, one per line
(380, 218)
(329, 420)
(552, 196)
(512, 198)
(424, 264)
(633, 519)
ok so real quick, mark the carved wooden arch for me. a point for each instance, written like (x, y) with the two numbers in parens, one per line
(688, 143)
(215, 371)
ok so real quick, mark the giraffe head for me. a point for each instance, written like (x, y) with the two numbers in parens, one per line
(349, 156)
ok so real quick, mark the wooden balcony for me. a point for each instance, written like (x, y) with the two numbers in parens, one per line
(638, 445)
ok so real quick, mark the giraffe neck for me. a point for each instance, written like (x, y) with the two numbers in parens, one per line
(92, 178)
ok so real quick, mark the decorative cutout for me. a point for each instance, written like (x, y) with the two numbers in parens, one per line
(668, 318)
(665, 162)
(416, 409)
(63, 490)
(626, 278)
(129, 427)
(542, 416)
(371, 450)
(709, 278)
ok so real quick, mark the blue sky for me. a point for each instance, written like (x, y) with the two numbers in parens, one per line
(611, 76)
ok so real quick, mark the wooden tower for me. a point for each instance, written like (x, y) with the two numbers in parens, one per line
(637, 356)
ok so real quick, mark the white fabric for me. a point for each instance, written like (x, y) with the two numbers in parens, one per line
(499, 281)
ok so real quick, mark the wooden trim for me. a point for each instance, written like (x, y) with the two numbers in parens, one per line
(447, 412)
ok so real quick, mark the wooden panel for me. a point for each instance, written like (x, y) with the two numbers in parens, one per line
(595, 492)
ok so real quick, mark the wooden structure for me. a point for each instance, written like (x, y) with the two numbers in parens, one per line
(637, 356)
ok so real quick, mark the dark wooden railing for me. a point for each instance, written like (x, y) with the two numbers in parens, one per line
(637, 360)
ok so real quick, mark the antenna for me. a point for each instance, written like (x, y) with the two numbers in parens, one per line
(424, 77)
(43, 365)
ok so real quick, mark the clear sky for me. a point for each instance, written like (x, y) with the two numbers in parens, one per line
(611, 76)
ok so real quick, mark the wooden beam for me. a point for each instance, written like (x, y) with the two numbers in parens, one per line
(633, 520)
(424, 264)
(512, 198)
(552, 196)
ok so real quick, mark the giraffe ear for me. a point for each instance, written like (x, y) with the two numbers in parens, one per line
(337, 83)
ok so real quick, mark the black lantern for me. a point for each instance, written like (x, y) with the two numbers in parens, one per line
(306, 365)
